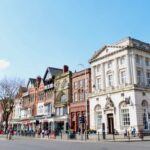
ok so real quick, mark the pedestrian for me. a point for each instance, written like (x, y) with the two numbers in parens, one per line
(43, 132)
(48, 132)
(134, 131)
(125, 132)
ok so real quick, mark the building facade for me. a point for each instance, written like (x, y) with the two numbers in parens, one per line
(63, 91)
(45, 103)
(120, 97)
(80, 105)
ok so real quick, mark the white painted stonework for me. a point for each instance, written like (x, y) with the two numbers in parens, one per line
(121, 87)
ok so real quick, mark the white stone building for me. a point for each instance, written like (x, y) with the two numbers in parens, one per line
(120, 97)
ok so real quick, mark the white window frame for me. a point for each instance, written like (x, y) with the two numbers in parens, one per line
(98, 83)
(110, 82)
(122, 77)
(148, 78)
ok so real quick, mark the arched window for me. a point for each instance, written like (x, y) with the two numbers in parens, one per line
(145, 114)
(98, 117)
(124, 115)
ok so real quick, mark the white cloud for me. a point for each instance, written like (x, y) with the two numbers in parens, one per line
(4, 64)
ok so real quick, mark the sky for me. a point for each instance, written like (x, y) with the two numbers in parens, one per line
(36, 34)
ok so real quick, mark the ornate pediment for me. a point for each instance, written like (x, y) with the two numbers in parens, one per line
(109, 103)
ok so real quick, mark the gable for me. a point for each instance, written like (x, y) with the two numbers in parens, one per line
(31, 83)
(47, 75)
(41, 85)
(106, 50)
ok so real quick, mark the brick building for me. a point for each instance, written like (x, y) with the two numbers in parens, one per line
(81, 86)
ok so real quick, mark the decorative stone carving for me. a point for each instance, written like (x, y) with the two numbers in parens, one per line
(109, 103)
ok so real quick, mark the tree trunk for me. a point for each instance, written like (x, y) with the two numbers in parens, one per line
(6, 125)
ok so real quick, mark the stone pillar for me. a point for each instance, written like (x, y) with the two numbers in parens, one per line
(52, 126)
(144, 80)
(134, 69)
(103, 76)
(128, 74)
(65, 122)
(116, 73)
(93, 82)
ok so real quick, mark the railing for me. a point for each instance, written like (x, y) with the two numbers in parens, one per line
(89, 137)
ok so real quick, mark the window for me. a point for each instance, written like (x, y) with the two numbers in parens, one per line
(145, 119)
(148, 78)
(75, 97)
(86, 83)
(147, 61)
(41, 96)
(57, 111)
(138, 59)
(65, 110)
(81, 83)
(98, 83)
(98, 68)
(139, 76)
(40, 109)
(61, 111)
(48, 109)
(81, 96)
(75, 85)
(145, 114)
(98, 117)
(31, 98)
(124, 115)
(63, 98)
(122, 60)
(110, 80)
(109, 64)
(122, 77)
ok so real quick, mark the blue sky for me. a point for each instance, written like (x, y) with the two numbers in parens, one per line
(35, 34)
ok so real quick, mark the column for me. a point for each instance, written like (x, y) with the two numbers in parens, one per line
(52, 126)
(103, 76)
(128, 74)
(144, 71)
(116, 73)
(93, 82)
(65, 122)
(134, 75)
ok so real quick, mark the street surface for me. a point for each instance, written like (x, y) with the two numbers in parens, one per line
(37, 144)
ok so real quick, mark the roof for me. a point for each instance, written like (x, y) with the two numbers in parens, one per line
(53, 71)
(126, 42)
(32, 80)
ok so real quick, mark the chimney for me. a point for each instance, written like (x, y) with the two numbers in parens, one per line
(65, 69)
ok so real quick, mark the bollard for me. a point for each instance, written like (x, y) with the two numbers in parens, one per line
(61, 135)
(98, 136)
(114, 135)
(104, 135)
(129, 136)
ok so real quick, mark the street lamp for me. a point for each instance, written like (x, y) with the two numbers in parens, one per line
(86, 102)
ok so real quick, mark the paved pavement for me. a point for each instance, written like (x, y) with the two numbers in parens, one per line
(38, 144)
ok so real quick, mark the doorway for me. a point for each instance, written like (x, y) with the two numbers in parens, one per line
(110, 121)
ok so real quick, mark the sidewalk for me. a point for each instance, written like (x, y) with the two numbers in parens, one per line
(146, 138)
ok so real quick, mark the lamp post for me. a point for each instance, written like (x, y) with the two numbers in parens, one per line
(86, 102)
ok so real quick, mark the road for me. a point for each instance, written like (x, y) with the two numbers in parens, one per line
(37, 144)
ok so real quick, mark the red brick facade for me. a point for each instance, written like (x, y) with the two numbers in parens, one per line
(81, 86)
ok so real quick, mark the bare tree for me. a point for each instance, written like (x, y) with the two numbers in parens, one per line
(8, 91)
